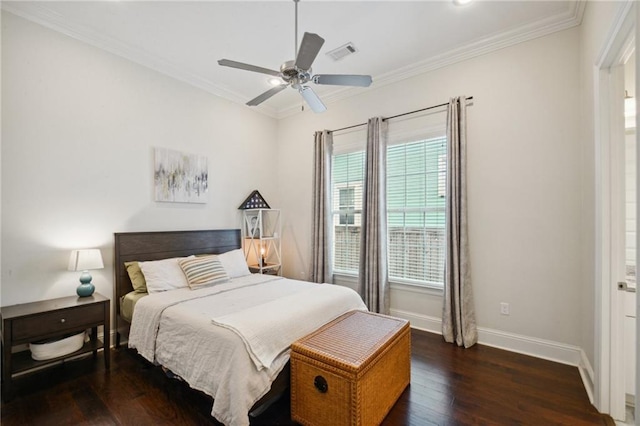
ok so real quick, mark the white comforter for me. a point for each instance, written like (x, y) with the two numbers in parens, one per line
(175, 329)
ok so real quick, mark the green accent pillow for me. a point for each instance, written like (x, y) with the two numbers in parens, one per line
(203, 271)
(136, 276)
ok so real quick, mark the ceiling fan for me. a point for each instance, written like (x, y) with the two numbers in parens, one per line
(297, 73)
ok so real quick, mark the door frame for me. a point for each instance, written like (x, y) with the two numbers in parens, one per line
(609, 380)
(637, 95)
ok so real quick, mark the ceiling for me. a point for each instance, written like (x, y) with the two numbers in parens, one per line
(395, 39)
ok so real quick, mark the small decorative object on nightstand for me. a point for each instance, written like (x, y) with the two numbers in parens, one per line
(83, 260)
(261, 231)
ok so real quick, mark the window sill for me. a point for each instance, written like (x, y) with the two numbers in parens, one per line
(417, 288)
(396, 285)
(345, 275)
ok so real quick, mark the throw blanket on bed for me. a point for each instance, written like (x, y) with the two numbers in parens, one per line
(269, 329)
(146, 320)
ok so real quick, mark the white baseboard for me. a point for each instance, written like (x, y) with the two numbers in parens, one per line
(420, 322)
(587, 375)
(539, 348)
(112, 337)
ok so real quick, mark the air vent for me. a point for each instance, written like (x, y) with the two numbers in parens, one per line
(342, 51)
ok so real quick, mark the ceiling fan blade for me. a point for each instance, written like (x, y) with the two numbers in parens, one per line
(266, 95)
(312, 99)
(309, 49)
(247, 67)
(343, 80)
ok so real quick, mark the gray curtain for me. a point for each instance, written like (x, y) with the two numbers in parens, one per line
(373, 277)
(458, 318)
(321, 206)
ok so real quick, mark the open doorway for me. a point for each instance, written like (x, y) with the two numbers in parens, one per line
(627, 264)
(617, 219)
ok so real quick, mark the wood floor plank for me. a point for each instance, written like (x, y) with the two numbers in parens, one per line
(62, 408)
(91, 406)
(449, 386)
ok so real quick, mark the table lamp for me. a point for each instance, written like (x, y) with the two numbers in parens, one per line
(263, 258)
(83, 260)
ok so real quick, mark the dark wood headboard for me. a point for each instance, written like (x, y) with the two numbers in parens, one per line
(142, 246)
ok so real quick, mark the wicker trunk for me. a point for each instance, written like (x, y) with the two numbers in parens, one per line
(350, 371)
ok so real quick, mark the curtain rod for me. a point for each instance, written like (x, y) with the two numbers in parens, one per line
(470, 98)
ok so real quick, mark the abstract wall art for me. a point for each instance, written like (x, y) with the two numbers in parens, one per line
(180, 177)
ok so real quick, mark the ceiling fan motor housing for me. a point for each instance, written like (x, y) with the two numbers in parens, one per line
(290, 73)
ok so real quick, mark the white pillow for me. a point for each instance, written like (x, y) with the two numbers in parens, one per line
(162, 275)
(234, 263)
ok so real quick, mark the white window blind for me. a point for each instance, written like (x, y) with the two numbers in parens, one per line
(347, 176)
(416, 211)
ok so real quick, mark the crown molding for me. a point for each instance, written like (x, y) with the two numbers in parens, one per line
(52, 20)
(533, 30)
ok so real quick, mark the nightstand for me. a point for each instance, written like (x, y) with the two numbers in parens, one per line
(30, 322)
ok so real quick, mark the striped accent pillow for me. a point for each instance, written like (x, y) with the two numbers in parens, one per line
(203, 271)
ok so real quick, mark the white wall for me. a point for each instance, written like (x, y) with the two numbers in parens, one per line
(524, 182)
(78, 129)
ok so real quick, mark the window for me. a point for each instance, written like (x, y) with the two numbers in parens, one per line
(416, 173)
(347, 178)
(416, 211)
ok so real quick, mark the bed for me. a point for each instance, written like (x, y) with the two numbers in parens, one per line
(201, 335)
(142, 246)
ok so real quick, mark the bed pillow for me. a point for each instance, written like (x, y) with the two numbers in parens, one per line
(234, 263)
(136, 276)
(203, 271)
(165, 274)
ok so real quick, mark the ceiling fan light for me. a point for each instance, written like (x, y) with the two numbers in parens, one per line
(275, 81)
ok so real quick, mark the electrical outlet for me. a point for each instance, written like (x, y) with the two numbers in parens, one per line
(504, 308)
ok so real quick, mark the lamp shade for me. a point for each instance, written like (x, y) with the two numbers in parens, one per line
(82, 260)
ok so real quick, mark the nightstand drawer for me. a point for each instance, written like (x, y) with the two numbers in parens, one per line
(57, 321)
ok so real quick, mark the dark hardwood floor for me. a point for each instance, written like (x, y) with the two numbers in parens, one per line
(449, 386)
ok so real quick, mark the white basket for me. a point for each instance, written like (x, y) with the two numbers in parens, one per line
(54, 349)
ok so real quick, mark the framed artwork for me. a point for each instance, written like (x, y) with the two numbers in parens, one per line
(180, 177)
